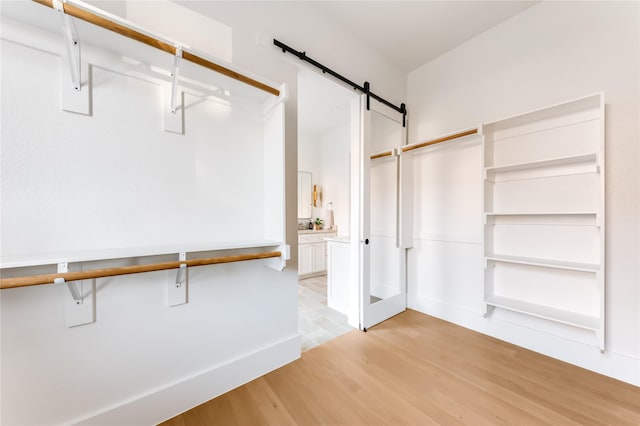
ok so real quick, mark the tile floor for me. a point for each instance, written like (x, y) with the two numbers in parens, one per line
(316, 321)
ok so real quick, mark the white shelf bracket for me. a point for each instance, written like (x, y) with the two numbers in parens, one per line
(80, 309)
(278, 263)
(72, 44)
(177, 287)
(173, 109)
(174, 82)
(76, 294)
(181, 277)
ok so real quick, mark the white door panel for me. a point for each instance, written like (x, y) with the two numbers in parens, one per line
(381, 258)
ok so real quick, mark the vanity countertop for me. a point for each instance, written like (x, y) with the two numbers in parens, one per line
(313, 231)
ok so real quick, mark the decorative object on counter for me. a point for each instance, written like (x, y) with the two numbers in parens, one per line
(330, 214)
(317, 224)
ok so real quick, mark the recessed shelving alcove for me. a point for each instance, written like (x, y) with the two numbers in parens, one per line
(544, 214)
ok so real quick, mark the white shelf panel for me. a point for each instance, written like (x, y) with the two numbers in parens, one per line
(551, 162)
(584, 218)
(120, 253)
(553, 314)
(587, 103)
(547, 263)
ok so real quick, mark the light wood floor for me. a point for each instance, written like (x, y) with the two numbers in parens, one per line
(415, 369)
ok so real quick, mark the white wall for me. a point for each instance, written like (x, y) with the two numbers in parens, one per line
(141, 362)
(552, 52)
(335, 155)
(309, 160)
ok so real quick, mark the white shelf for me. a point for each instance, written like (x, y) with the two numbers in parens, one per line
(547, 263)
(591, 102)
(121, 253)
(544, 218)
(588, 322)
(551, 162)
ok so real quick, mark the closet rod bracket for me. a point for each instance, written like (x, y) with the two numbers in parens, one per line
(72, 44)
(181, 277)
(177, 288)
(76, 294)
(279, 263)
(174, 74)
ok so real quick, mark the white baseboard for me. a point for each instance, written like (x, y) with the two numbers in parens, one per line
(163, 403)
(616, 365)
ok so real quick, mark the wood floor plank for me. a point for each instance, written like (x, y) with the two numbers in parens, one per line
(418, 370)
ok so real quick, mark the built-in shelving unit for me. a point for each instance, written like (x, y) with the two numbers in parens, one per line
(544, 214)
(214, 186)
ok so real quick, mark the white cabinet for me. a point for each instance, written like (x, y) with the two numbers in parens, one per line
(338, 274)
(305, 259)
(312, 252)
(544, 214)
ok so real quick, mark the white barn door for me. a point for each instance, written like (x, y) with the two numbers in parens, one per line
(378, 256)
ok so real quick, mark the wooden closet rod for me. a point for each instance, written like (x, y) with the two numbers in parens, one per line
(125, 270)
(439, 140)
(427, 143)
(116, 27)
(382, 154)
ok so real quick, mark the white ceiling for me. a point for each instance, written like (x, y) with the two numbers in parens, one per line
(411, 33)
(407, 33)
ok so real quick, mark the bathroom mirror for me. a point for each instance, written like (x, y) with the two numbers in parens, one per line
(304, 195)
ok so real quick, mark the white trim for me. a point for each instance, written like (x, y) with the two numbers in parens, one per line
(449, 238)
(163, 403)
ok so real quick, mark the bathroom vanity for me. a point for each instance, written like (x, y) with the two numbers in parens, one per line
(312, 252)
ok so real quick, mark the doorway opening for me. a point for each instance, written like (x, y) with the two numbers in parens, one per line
(324, 199)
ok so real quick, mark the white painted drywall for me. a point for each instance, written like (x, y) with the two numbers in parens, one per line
(335, 156)
(551, 52)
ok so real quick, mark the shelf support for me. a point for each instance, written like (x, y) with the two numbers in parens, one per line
(80, 309)
(73, 98)
(177, 287)
(174, 83)
(278, 263)
(72, 44)
(76, 294)
(174, 119)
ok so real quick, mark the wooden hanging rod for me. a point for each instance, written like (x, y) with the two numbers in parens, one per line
(382, 154)
(439, 140)
(427, 143)
(131, 33)
(125, 270)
